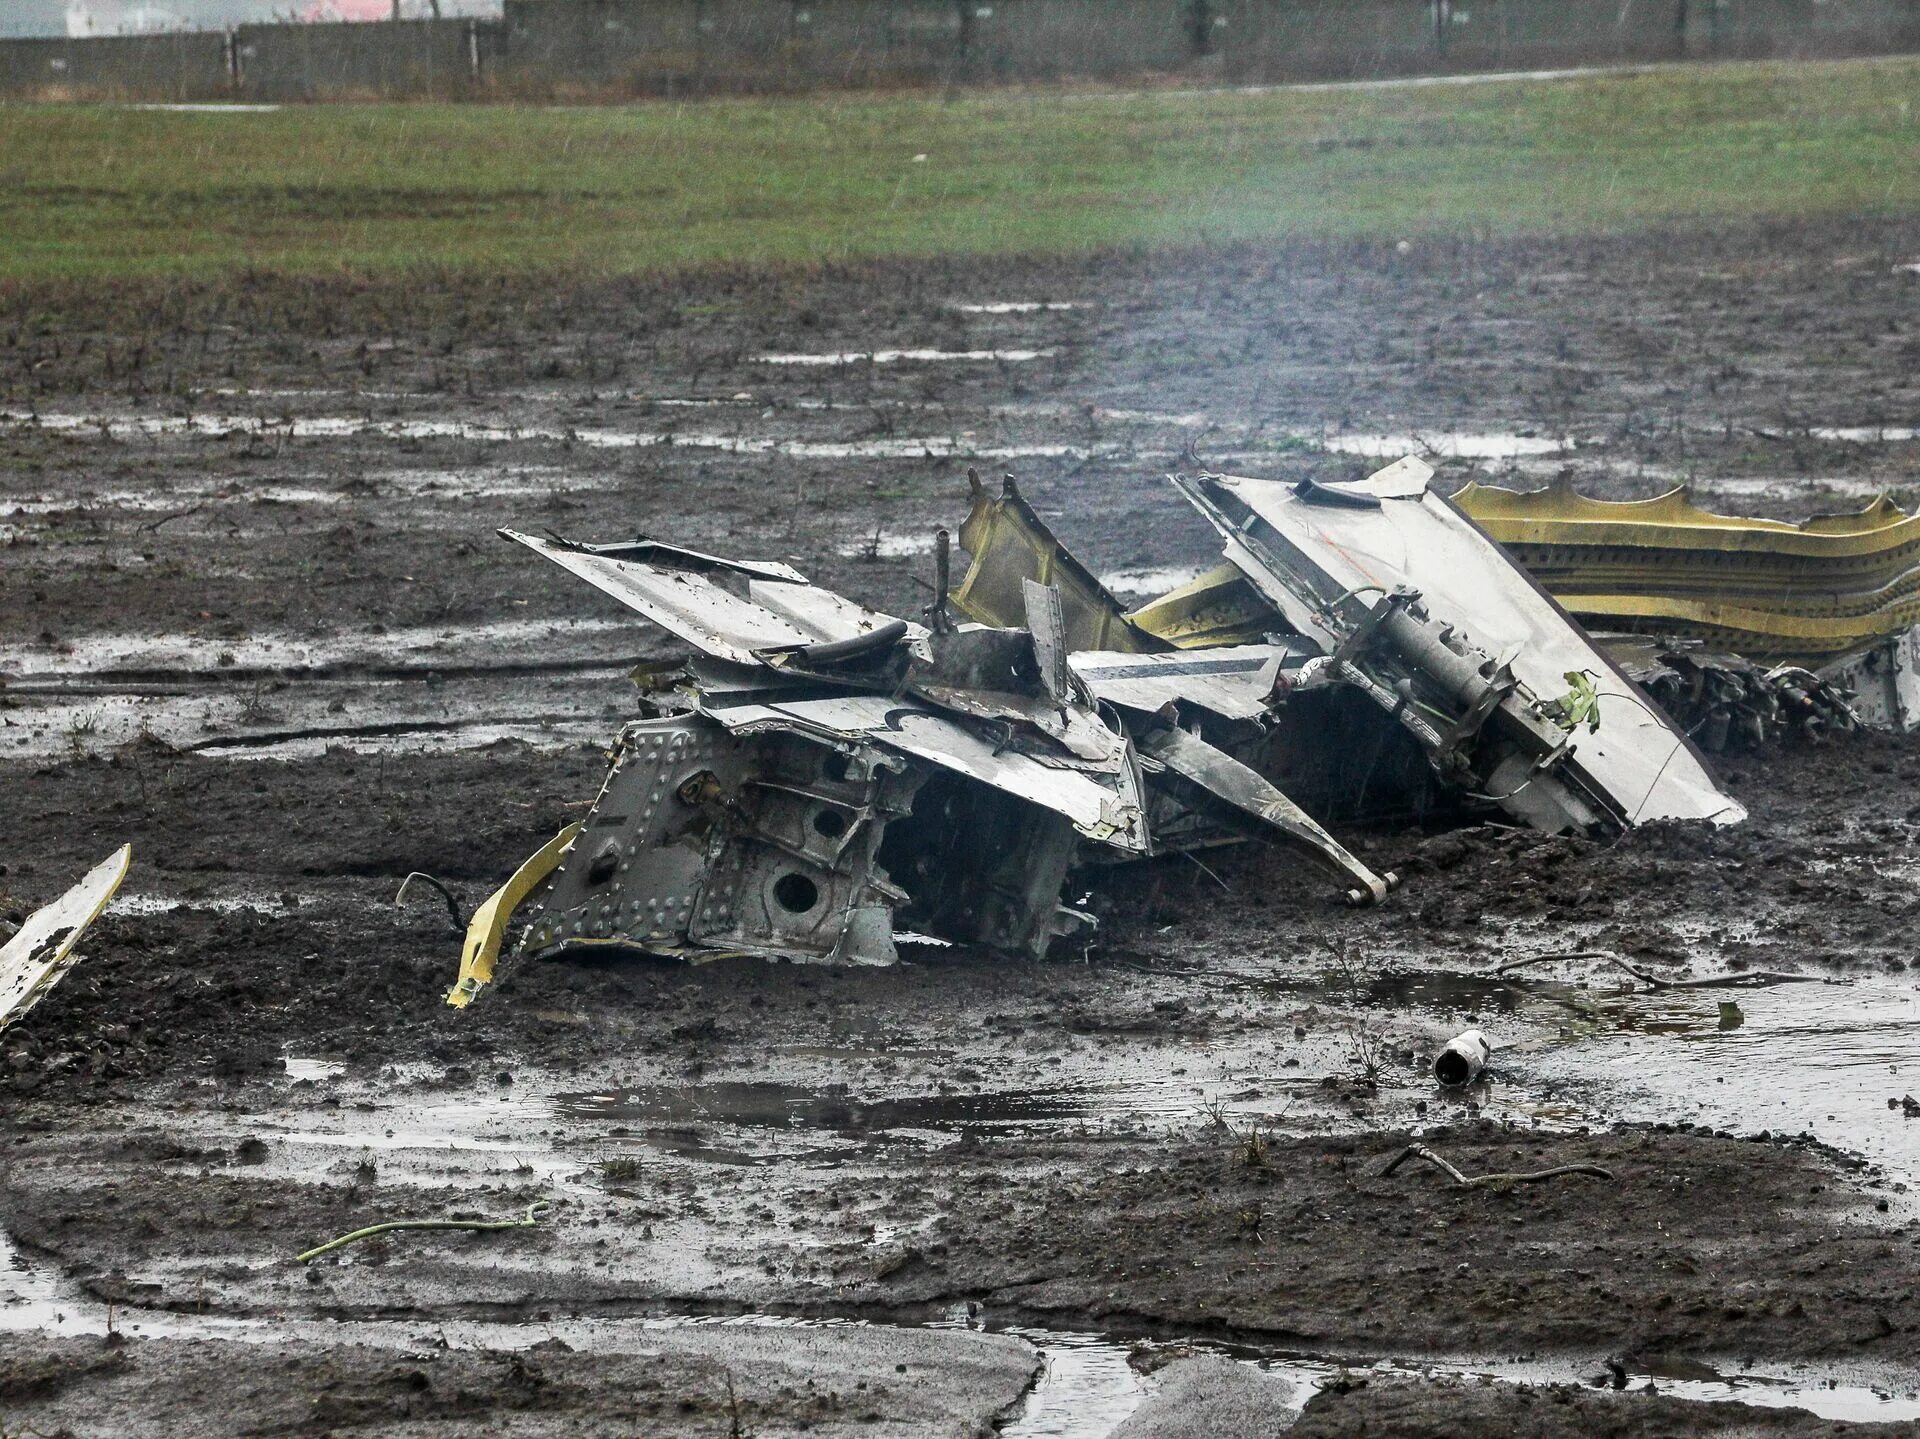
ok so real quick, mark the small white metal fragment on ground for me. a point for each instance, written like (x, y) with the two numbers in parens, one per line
(1463, 1060)
(33, 961)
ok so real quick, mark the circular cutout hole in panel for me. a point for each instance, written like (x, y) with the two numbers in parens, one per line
(795, 893)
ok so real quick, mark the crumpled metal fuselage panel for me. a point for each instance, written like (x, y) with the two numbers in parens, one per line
(1099, 797)
(1010, 545)
(702, 842)
(1763, 589)
(1418, 606)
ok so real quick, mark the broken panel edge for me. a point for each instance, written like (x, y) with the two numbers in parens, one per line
(488, 927)
(42, 950)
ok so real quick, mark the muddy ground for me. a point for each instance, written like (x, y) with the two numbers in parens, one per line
(254, 620)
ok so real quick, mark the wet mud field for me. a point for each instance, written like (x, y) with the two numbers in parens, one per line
(254, 620)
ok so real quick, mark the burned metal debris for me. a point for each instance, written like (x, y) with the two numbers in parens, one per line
(811, 776)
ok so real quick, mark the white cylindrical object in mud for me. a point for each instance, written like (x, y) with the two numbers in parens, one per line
(1463, 1060)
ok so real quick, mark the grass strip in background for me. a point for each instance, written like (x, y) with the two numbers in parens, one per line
(108, 192)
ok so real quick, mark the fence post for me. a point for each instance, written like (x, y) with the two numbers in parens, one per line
(230, 52)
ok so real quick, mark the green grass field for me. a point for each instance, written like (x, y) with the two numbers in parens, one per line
(96, 191)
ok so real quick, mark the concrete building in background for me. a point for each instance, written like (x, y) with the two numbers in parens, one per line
(77, 18)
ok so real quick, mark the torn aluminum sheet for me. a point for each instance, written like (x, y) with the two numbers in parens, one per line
(1219, 775)
(815, 769)
(1418, 608)
(1011, 546)
(1236, 682)
(1102, 803)
(1810, 593)
(1883, 681)
(684, 603)
(42, 950)
(781, 618)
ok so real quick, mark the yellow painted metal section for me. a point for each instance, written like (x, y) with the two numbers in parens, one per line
(1219, 608)
(1559, 515)
(1766, 589)
(489, 923)
(1008, 543)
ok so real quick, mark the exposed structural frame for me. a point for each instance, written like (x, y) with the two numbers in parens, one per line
(810, 773)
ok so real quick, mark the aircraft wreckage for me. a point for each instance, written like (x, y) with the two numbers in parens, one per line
(812, 776)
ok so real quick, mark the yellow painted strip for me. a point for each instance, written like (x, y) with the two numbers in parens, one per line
(1756, 631)
(1560, 516)
(489, 924)
(1219, 608)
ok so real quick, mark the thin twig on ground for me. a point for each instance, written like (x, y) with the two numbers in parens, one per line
(1487, 1181)
(151, 525)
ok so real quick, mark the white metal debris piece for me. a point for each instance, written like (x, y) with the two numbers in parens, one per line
(1389, 567)
(34, 960)
(1102, 805)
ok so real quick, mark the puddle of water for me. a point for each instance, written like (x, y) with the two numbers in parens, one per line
(1085, 1388)
(174, 499)
(1806, 488)
(1192, 420)
(890, 547)
(301, 1067)
(1018, 307)
(250, 714)
(1866, 434)
(333, 427)
(423, 740)
(909, 448)
(1812, 1058)
(753, 1104)
(1804, 1058)
(133, 905)
(198, 654)
(1452, 446)
(894, 357)
(219, 724)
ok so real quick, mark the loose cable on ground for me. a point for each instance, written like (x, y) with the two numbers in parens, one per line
(535, 1210)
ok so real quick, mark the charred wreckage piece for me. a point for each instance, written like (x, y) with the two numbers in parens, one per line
(812, 773)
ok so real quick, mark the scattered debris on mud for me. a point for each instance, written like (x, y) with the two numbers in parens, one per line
(1031, 1186)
